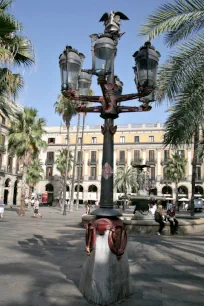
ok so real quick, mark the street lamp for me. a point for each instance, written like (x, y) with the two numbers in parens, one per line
(70, 62)
(106, 236)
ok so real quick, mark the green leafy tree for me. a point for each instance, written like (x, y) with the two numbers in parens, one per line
(34, 173)
(25, 141)
(125, 178)
(176, 169)
(65, 108)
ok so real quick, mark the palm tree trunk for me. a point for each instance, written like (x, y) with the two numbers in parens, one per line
(66, 173)
(23, 191)
(194, 163)
(80, 161)
(74, 166)
(177, 204)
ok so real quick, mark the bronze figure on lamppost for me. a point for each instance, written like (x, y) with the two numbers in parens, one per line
(106, 237)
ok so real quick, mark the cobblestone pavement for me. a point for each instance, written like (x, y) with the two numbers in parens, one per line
(41, 261)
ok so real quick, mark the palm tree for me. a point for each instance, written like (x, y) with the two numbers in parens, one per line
(175, 169)
(74, 166)
(61, 165)
(64, 107)
(125, 178)
(25, 141)
(15, 50)
(181, 77)
(91, 93)
(33, 175)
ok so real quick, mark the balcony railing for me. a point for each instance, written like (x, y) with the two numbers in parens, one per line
(49, 161)
(2, 169)
(92, 162)
(136, 161)
(121, 162)
(199, 180)
(92, 178)
(2, 147)
(199, 161)
(151, 161)
(164, 161)
(10, 169)
(165, 181)
(78, 162)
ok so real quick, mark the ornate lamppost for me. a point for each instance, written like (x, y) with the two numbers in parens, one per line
(105, 277)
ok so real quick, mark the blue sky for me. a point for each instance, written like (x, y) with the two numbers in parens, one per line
(51, 25)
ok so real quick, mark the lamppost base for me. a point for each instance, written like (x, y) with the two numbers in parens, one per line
(105, 279)
(106, 212)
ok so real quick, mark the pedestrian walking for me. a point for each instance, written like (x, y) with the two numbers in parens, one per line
(159, 218)
(171, 217)
(36, 208)
(87, 207)
(1, 208)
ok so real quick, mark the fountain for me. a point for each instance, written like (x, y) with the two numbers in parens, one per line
(143, 198)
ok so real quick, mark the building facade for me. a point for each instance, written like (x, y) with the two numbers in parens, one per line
(10, 166)
(134, 143)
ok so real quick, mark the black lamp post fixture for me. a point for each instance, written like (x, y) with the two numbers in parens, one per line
(76, 83)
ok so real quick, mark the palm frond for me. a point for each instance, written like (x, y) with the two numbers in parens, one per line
(186, 114)
(182, 67)
(179, 18)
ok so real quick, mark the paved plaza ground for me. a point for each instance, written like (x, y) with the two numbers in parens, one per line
(41, 262)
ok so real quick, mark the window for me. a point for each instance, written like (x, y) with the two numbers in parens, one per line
(151, 155)
(151, 138)
(17, 166)
(166, 154)
(137, 139)
(51, 140)
(0, 161)
(93, 140)
(79, 139)
(122, 139)
(93, 156)
(122, 156)
(78, 156)
(181, 153)
(10, 164)
(49, 171)
(3, 120)
(165, 173)
(79, 172)
(50, 157)
(136, 155)
(93, 172)
(198, 173)
(152, 173)
(3, 139)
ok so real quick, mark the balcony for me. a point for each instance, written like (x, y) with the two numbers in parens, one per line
(164, 161)
(49, 161)
(165, 181)
(76, 178)
(2, 170)
(151, 161)
(93, 178)
(19, 173)
(199, 180)
(92, 162)
(78, 162)
(2, 147)
(136, 161)
(199, 161)
(121, 162)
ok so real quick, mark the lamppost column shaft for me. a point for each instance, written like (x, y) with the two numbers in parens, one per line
(106, 199)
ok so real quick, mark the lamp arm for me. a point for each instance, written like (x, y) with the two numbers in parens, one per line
(128, 97)
(129, 109)
(84, 109)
